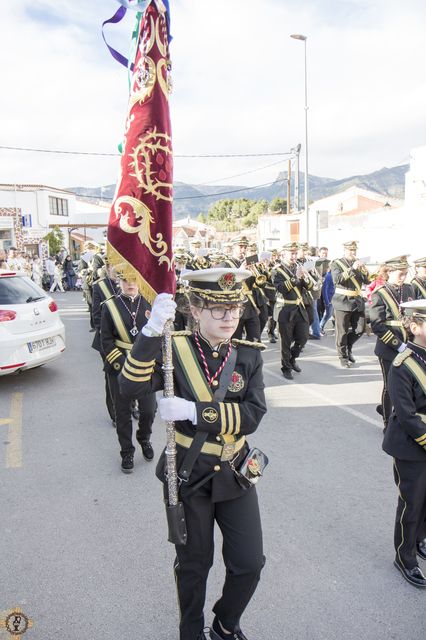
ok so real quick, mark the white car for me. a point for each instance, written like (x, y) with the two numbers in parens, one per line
(31, 331)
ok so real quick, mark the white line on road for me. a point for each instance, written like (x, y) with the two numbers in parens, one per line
(326, 400)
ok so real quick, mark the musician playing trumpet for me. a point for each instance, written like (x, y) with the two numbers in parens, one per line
(290, 280)
(349, 274)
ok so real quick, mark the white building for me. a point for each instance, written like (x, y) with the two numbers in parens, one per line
(384, 227)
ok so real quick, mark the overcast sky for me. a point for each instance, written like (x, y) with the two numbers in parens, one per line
(238, 87)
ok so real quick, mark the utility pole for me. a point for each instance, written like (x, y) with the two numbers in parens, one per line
(296, 152)
(289, 186)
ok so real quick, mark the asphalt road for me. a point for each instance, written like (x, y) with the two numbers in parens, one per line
(83, 547)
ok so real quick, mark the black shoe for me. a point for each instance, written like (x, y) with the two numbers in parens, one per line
(344, 362)
(217, 634)
(127, 464)
(287, 374)
(272, 339)
(421, 549)
(147, 450)
(92, 330)
(135, 413)
(295, 366)
(312, 337)
(413, 576)
(351, 358)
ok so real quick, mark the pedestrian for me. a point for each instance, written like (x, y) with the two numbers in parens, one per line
(37, 271)
(69, 272)
(349, 274)
(290, 280)
(122, 318)
(405, 441)
(57, 278)
(50, 269)
(387, 325)
(219, 399)
(327, 296)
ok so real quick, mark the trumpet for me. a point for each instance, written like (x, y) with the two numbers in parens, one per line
(307, 276)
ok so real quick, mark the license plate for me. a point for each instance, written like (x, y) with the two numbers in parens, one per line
(39, 345)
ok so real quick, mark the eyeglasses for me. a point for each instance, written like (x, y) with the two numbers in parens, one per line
(219, 313)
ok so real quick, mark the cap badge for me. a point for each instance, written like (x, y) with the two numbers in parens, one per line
(227, 281)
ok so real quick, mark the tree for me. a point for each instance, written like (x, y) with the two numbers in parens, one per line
(202, 218)
(55, 239)
(278, 205)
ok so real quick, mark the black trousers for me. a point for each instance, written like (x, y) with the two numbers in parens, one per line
(410, 527)
(123, 416)
(294, 332)
(108, 396)
(349, 325)
(263, 317)
(271, 322)
(252, 328)
(386, 402)
(242, 551)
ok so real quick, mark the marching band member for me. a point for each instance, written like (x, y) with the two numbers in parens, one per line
(386, 323)
(123, 317)
(349, 274)
(405, 441)
(291, 280)
(219, 400)
(419, 281)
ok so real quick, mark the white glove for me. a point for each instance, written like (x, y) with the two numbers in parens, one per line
(174, 408)
(163, 309)
(402, 347)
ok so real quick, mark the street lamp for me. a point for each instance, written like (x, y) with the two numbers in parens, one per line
(298, 36)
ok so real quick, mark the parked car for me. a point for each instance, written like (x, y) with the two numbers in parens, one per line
(31, 331)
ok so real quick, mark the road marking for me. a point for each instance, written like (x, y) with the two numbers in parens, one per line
(14, 434)
(320, 396)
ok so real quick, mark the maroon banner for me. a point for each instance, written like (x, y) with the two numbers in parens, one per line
(140, 224)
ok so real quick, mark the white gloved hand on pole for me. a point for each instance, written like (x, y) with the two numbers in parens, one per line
(175, 409)
(163, 309)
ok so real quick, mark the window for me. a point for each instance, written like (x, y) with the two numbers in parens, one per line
(294, 231)
(19, 290)
(58, 206)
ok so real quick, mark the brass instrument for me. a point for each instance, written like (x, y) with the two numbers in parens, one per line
(308, 277)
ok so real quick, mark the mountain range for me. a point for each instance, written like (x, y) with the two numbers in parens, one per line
(192, 199)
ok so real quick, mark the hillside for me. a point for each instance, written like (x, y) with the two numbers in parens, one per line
(190, 199)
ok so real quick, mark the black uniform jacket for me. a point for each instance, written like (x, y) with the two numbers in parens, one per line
(239, 414)
(116, 323)
(385, 319)
(291, 288)
(103, 289)
(345, 277)
(251, 309)
(419, 287)
(405, 437)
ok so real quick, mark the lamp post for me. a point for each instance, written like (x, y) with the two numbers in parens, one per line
(298, 36)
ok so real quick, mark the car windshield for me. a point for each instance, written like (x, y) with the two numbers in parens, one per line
(19, 290)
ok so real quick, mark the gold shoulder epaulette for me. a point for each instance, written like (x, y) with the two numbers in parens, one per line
(248, 343)
(182, 333)
(401, 357)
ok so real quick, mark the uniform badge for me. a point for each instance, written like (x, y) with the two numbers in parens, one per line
(210, 414)
(227, 281)
(237, 382)
(117, 366)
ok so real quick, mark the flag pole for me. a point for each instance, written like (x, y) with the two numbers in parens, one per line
(174, 508)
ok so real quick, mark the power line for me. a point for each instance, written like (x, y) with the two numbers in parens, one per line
(246, 173)
(224, 193)
(209, 195)
(95, 153)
